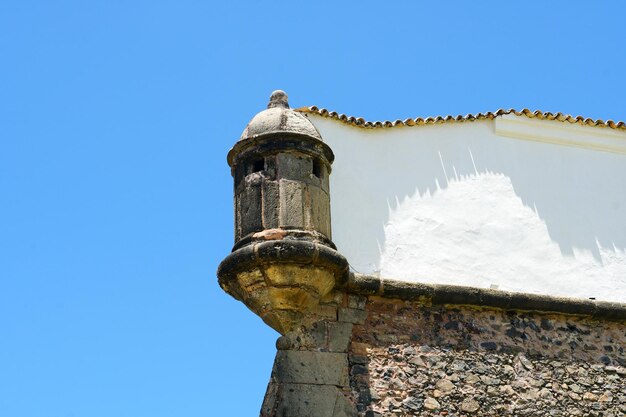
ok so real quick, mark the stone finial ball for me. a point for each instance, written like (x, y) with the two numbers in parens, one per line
(278, 99)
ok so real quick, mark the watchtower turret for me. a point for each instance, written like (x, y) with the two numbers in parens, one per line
(283, 261)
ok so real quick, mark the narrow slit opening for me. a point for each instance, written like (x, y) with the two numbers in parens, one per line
(317, 169)
(258, 165)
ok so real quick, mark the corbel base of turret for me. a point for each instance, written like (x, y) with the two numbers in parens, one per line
(283, 281)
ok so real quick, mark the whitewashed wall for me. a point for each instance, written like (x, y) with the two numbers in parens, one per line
(461, 204)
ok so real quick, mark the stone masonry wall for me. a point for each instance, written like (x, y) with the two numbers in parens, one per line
(311, 374)
(410, 359)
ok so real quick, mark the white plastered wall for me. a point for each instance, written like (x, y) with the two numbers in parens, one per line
(515, 204)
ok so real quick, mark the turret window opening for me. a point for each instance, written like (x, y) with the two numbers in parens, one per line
(257, 165)
(317, 169)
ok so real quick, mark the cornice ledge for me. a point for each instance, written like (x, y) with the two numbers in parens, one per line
(437, 294)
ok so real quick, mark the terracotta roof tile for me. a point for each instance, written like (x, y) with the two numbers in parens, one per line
(418, 121)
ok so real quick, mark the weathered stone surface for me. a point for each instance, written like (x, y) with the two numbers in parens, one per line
(291, 212)
(352, 315)
(281, 320)
(343, 407)
(250, 278)
(445, 385)
(317, 212)
(431, 404)
(278, 278)
(271, 204)
(300, 400)
(470, 405)
(294, 166)
(415, 359)
(284, 343)
(402, 387)
(319, 280)
(356, 301)
(467, 328)
(306, 367)
(249, 202)
(324, 181)
(278, 118)
(291, 298)
(339, 335)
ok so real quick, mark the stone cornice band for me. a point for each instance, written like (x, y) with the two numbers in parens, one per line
(268, 143)
(483, 297)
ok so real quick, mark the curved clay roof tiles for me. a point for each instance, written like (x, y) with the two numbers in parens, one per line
(418, 121)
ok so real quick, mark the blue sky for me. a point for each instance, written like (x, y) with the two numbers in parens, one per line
(115, 196)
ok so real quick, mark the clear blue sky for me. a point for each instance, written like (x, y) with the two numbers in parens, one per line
(115, 196)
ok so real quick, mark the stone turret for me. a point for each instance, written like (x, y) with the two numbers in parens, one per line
(283, 261)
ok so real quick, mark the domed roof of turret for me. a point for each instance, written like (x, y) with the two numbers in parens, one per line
(279, 118)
